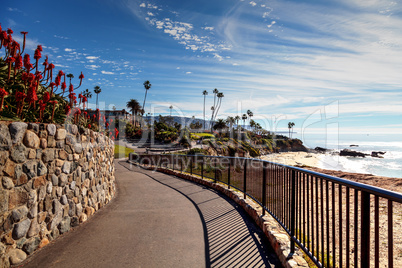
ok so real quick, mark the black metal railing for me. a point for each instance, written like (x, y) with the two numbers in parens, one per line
(336, 222)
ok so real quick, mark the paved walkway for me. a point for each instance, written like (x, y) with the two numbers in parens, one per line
(157, 220)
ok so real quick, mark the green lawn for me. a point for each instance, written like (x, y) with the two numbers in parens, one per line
(202, 135)
(121, 151)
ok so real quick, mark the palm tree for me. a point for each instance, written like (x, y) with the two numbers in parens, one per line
(97, 90)
(171, 107)
(70, 76)
(205, 93)
(250, 114)
(134, 106)
(237, 118)
(87, 94)
(230, 120)
(244, 117)
(290, 126)
(215, 91)
(218, 104)
(147, 86)
(220, 124)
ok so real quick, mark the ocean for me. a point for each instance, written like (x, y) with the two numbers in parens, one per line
(391, 144)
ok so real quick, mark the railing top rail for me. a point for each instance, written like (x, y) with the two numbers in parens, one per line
(391, 195)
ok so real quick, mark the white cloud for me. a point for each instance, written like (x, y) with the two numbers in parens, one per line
(208, 28)
(142, 5)
(60, 37)
(272, 23)
(253, 3)
(92, 57)
(106, 72)
(92, 66)
(217, 56)
(150, 14)
(68, 49)
(188, 72)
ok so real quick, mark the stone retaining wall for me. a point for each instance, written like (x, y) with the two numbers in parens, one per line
(52, 178)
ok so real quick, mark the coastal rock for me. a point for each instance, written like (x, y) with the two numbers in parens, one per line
(320, 149)
(377, 154)
(347, 152)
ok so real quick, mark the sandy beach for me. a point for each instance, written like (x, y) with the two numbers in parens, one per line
(313, 161)
(300, 159)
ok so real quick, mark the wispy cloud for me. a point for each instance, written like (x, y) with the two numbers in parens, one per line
(107, 72)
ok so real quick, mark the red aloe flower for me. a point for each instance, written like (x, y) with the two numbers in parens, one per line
(27, 62)
(80, 77)
(23, 44)
(70, 88)
(84, 100)
(63, 86)
(50, 69)
(9, 31)
(57, 81)
(31, 96)
(24, 77)
(52, 85)
(31, 78)
(18, 64)
(38, 55)
(46, 97)
(89, 125)
(3, 93)
(20, 96)
(67, 109)
(45, 63)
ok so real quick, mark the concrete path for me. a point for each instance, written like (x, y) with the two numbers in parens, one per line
(158, 220)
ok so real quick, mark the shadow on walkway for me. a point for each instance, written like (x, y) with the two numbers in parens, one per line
(231, 237)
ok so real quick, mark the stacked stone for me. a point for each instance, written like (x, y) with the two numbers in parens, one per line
(53, 178)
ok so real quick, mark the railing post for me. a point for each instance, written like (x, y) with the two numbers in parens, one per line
(181, 164)
(264, 187)
(191, 165)
(230, 161)
(293, 213)
(245, 179)
(365, 230)
(216, 169)
(202, 168)
(173, 161)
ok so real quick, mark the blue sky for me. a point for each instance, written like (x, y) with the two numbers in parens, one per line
(321, 64)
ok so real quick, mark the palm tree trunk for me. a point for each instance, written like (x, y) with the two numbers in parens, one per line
(97, 107)
(204, 112)
(143, 105)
